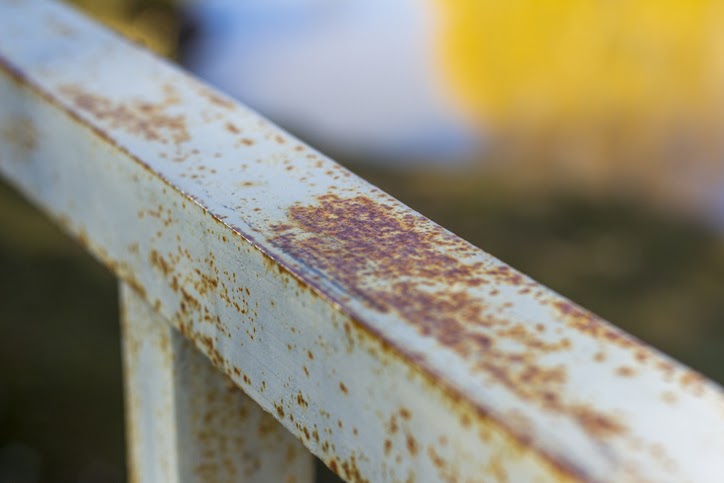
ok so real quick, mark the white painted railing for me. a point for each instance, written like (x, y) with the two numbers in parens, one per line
(356, 328)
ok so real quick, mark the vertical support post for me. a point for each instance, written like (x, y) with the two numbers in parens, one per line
(186, 421)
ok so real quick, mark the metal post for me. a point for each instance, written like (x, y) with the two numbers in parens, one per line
(186, 421)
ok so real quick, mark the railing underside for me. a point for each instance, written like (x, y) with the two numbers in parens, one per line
(389, 347)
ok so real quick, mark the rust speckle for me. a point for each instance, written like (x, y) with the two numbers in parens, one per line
(343, 388)
(140, 118)
(159, 262)
(625, 371)
(692, 381)
(411, 444)
(215, 98)
(280, 410)
(231, 127)
(595, 423)
(428, 272)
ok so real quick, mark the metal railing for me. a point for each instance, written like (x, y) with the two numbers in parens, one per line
(356, 328)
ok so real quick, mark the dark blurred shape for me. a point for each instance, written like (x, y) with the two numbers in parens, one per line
(19, 464)
(60, 367)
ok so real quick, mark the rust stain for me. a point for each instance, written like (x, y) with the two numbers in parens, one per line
(346, 468)
(145, 119)
(214, 98)
(21, 133)
(625, 371)
(412, 446)
(356, 240)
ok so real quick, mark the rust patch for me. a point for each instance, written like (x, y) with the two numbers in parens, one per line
(140, 118)
(357, 241)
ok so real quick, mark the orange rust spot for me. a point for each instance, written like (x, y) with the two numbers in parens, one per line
(136, 285)
(247, 142)
(231, 127)
(280, 410)
(310, 355)
(625, 371)
(411, 444)
(343, 388)
(589, 324)
(596, 424)
(693, 381)
(137, 117)
(392, 425)
(159, 262)
(215, 98)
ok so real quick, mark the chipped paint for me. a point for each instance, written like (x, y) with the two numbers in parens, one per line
(391, 348)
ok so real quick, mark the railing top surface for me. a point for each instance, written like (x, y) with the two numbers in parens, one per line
(590, 401)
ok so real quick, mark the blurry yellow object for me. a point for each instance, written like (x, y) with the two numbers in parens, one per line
(152, 24)
(608, 92)
(579, 57)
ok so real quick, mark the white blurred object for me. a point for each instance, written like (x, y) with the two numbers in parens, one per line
(356, 76)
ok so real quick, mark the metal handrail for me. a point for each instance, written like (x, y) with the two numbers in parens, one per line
(391, 348)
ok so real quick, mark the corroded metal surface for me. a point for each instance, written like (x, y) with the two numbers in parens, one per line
(186, 422)
(394, 350)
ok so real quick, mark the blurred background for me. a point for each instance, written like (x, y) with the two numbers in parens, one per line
(580, 141)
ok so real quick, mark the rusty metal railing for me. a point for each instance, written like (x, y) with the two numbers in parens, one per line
(357, 328)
